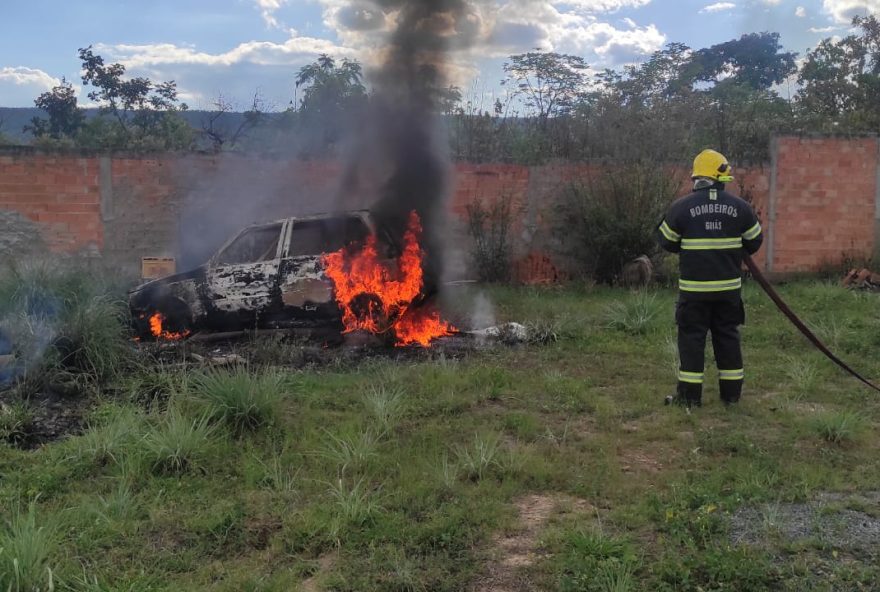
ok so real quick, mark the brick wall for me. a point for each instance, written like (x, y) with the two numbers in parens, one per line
(816, 199)
(824, 201)
(60, 193)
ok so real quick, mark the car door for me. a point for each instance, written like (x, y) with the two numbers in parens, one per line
(242, 278)
(305, 289)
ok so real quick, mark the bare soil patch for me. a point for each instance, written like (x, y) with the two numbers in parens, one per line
(514, 552)
(325, 562)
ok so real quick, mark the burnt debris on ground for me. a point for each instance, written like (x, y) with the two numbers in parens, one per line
(34, 414)
(316, 349)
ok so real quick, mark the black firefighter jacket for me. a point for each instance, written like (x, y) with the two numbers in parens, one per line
(710, 228)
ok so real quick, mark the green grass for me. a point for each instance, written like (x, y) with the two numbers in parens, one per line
(117, 431)
(26, 545)
(405, 473)
(478, 459)
(16, 420)
(67, 325)
(178, 443)
(385, 405)
(246, 401)
(840, 426)
(634, 314)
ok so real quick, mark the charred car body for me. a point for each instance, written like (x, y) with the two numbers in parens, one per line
(268, 276)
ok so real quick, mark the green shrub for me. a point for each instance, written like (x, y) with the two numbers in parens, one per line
(245, 401)
(611, 217)
(63, 319)
(802, 372)
(93, 336)
(724, 568)
(489, 228)
(117, 508)
(152, 386)
(25, 550)
(278, 474)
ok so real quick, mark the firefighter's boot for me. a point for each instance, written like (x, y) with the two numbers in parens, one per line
(688, 395)
(730, 390)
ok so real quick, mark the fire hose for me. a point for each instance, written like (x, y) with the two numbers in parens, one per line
(784, 308)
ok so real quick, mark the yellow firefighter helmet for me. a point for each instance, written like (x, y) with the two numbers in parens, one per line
(712, 165)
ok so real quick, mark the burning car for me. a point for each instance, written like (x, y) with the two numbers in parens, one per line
(339, 270)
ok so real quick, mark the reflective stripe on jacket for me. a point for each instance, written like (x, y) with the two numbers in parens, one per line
(709, 229)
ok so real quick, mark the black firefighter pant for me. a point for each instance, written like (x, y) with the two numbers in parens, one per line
(694, 319)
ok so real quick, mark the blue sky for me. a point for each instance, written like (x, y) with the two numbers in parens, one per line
(236, 48)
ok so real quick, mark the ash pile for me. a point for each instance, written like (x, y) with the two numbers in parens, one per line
(298, 349)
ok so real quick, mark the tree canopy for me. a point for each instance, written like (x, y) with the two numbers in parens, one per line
(732, 95)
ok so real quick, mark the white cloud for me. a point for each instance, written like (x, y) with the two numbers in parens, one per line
(823, 29)
(20, 85)
(601, 5)
(800, 12)
(264, 53)
(522, 26)
(718, 7)
(844, 10)
(268, 8)
(237, 73)
(24, 76)
(772, 2)
(492, 29)
(497, 28)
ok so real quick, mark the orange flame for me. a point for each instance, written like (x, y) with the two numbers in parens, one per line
(156, 322)
(377, 298)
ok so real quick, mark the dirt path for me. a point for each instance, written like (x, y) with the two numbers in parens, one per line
(325, 562)
(515, 552)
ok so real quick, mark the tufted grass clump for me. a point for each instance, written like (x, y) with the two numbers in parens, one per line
(385, 404)
(634, 315)
(25, 550)
(246, 401)
(840, 426)
(177, 443)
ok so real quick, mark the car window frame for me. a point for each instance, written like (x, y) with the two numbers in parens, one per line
(292, 222)
(279, 249)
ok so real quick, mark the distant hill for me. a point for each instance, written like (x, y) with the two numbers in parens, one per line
(14, 119)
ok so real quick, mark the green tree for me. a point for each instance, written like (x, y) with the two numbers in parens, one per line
(549, 83)
(331, 94)
(737, 79)
(65, 116)
(663, 76)
(840, 81)
(646, 112)
(755, 61)
(137, 113)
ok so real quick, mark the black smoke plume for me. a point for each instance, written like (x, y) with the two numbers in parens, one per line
(402, 142)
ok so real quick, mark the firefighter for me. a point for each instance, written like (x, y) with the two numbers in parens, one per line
(709, 229)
